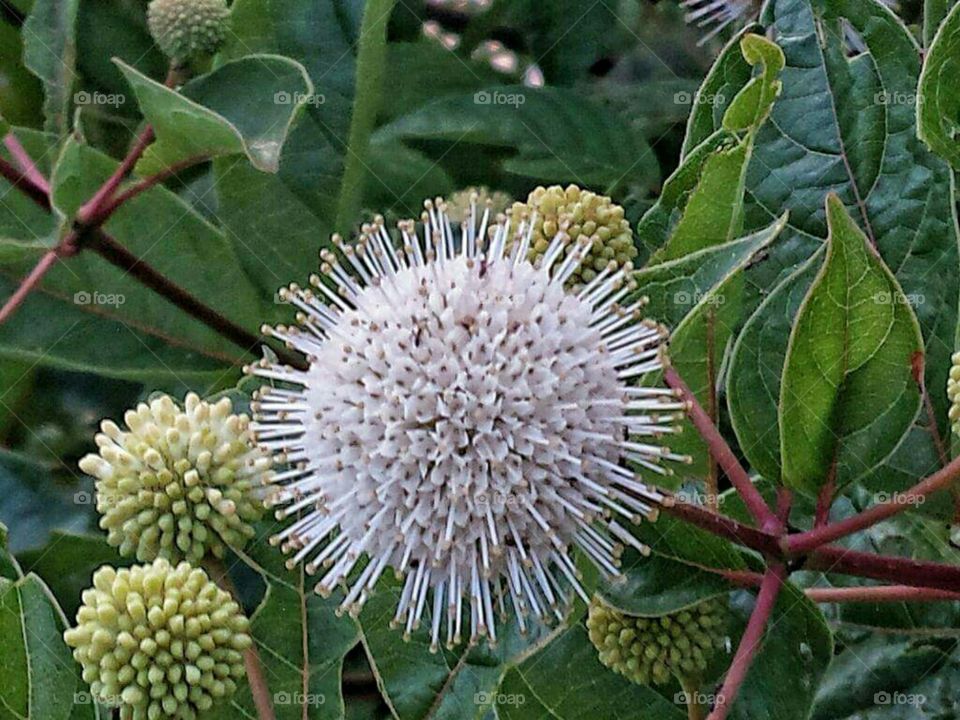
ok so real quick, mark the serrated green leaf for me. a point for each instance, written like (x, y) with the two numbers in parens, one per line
(848, 393)
(245, 106)
(50, 49)
(566, 681)
(38, 677)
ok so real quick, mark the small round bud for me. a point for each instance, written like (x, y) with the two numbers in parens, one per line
(648, 650)
(582, 215)
(159, 641)
(459, 203)
(179, 482)
(188, 29)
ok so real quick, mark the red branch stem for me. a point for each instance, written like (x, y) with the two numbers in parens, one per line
(750, 642)
(28, 284)
(22, 182)
(23, 160)
(724, 455)
(107, 208)
(801, 543)
(880, 593)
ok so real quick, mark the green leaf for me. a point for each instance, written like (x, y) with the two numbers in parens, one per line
(449, 684)
(9, 568)
(301, 643)
(162, 230)
(566, 681)
(245, 106)
(557, 134)
(938, 102)
(38, 677)
(848, 394)
(371, 61)
(673, 538)
(23, 223)
(50, 49)
(656, 585)
(884, 678)
(934, 12)
(702, 202)
(790, 663)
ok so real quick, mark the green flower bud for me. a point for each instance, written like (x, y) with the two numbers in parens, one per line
(953, 392)
(179, 482)
(159, 641)
(458, 203)
(188, 29)
(580, 213)
(649, 650)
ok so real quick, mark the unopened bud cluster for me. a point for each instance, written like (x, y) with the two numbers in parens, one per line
(579, 213)
(178, 483)
(159, 641)
(188, 29)
(953, 392)
(648, 650)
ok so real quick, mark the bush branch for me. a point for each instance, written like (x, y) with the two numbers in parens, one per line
(22, 182)
(801, 543)
(880, 593)
(750, 642)
(724, 456)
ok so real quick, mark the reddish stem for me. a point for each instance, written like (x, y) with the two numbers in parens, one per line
(87, 214)
(28, 284)
(25, 163)
(110, 206)
(750, 642)
(805, 542)
(726, 527)
(880, 593)
(917, 367)
(724, 455)
(825, 499)
(22, 182)
(904, 571)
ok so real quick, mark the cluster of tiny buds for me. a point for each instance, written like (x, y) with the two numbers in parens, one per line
(159, 641)
(953, 392)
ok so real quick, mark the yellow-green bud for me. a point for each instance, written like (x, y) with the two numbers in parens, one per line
(648, 650)
(953, 392)
(178, 483)
(580, 213)
(458, 204)
(159, 641)
(188, 29)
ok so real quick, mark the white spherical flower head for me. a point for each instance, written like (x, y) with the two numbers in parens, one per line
(465, 421)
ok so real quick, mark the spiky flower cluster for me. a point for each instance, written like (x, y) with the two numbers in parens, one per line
(159, 641)
(578, 214)
(461, 203)
(953, 392)
(188, 29)
(178, 483)
(649, 650)
(463, 420)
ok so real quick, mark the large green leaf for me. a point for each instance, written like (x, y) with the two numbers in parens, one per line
(50, 50)
(938, 99)
(299, 640)
(245, 106)
(38, 677)
(848, 393)
(565, 681)
(451, 684)
(657, 585)
(557, 135)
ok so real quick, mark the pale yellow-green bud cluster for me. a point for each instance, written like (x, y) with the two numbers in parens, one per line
(580, 213)
(648, 650)
(179, 483)
(159, 641)
(458, 204)
(188, 29)
(953, 392)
